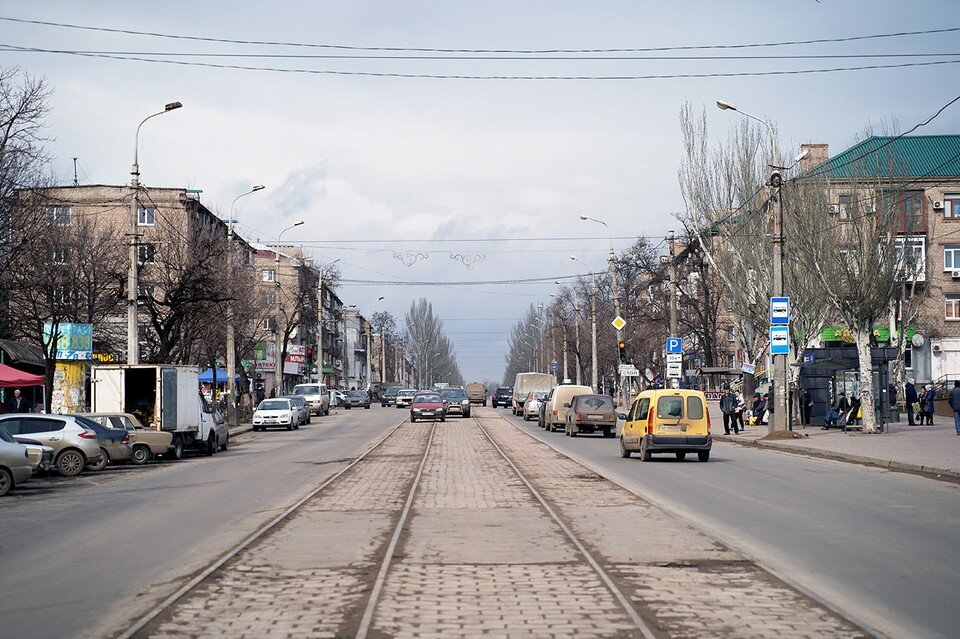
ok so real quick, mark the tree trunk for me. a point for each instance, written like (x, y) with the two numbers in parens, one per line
(865, 357)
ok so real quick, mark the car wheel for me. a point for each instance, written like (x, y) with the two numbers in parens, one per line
(367, 407)
(100, 465)
(681, 456)
(226, 442)
(623, 450)
(296, 426)
(177, 447)
(413, 420)
(140, 455)
(443, 419)
(703, 455)
(290, 426)
(645, 455)
(71, 463)
(211, 445)
(6, 481)
(607, 432)
(573, 431)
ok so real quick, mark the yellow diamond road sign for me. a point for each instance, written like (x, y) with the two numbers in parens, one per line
(618, 323)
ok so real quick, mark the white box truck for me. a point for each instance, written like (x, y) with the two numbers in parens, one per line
(526, 382)
(165, 397)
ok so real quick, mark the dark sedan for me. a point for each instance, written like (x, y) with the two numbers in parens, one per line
(114, 442)
(356, 399)
(503, 396)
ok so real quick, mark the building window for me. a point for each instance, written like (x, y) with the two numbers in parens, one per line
(250, 257)
(146, 254)
(268, 275)
(270, 324)
(847, 206)
(951, 308)
(59, 256)
(58, 214)
(911, 258)
(270, 298)
(146, 292)
(951, 258)
(62, 295)
(951, 205)
(146, 216)
(730, 335)
(908, 205)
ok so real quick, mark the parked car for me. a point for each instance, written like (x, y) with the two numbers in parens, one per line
(555, 414)
(477, 393)
(456, 400)
(667, 421)
(503, 396)
(590, 414)
(75, 446)
(317, 397)
(40, 456)
(302, 407)
(428, 405)
(389, 397)
(278, 411)
(114, 443)
(531, 407)
(405, 397)
(356, 399)
(145, 442)
(14, 463)
(337, 397)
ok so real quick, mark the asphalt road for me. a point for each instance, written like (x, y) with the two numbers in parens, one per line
(80, 557)
(882, 546)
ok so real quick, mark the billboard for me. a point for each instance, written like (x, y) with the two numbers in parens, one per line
(75, 340)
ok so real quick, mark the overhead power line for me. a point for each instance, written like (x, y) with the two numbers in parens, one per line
(348, 47)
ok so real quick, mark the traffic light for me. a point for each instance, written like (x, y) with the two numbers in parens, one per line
(622, 348)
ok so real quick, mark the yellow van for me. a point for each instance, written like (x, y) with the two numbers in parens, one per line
(558, 402)
(669, 420)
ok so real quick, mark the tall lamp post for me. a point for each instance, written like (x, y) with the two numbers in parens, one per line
(323, 267)
(616, 296)
(133, 286)
(278, 347)
(231, 337)
(370, 342)
(779, 421)
(593, 321)
(576, 323)
(538, 353)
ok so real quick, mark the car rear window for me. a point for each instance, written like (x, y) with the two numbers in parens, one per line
(694, 408)
(670, 407)
(597, 403)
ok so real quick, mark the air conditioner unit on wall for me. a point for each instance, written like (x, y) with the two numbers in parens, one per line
(834, 208)
(937, 204)
(936, 348)
(955, 275)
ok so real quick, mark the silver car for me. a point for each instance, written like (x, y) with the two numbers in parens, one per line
(14, 463)
(301, 403)
(74, 446)
(41, 457)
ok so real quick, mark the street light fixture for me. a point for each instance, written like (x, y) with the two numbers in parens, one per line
(278, 347)
(231, 337)
(133, 285)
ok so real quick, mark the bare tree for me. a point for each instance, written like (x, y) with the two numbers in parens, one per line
(432, 351)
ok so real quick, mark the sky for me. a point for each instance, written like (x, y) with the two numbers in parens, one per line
(458, 180)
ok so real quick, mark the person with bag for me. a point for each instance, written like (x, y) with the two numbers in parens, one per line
(739, 411)
(929, 397)
(910, 398)
(728, 405)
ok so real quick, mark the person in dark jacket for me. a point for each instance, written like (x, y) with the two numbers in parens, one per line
(927, 402)
(19, 404)
(910, 397)
(728, 406)
(854, 409)
(954, 400)
(758, 408)
(839, 412)
(806, 407)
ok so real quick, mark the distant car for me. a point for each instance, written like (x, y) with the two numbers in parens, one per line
(114, 443)
(558, 403)
(302, 406)
(503, 396)
(405, 397)
(591, 414)
(389, 397)
(145, 442)
(278, 411)
(428, 405)
(75, 446)
(356, 399)
(317, 397)
(456, 400)
(531, 407)
(14, 463)
(477, 393)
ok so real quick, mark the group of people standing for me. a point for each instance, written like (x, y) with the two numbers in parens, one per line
(735, 410)
(920, 403)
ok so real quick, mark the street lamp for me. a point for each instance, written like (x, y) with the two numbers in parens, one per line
(133, 286)
(616, 296)
(370, 341)
(278, 347)
(593, 321)
(780, 420)
(231, 337)
(323, 267)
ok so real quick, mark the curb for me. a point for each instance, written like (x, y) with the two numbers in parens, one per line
(931, 472)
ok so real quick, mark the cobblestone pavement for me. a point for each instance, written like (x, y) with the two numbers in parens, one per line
(480, 556)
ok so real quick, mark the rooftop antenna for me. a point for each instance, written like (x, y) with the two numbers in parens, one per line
(75, 181)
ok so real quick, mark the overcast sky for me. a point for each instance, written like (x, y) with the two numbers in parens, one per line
(386, 158)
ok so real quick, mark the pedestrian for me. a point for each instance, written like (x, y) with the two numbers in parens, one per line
(854, 409)
(738, 412)
(929, 397)
(19, 404)
(954, 400)
(893, 394)
(728, 405)
(806, 407)
(838, 413)
(757, 409)
(767, 409)
(910, 398)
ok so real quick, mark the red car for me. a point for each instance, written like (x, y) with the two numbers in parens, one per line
(428, 405)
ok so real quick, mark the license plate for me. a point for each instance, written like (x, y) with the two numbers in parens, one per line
(670, 427)
(594, 416)
(427, 413)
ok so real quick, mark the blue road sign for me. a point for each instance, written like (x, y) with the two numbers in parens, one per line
(779, 310)
(553, 367)
(674, 344)
(779, 340)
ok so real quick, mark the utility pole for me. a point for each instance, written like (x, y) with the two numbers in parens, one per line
(383, 355)
(564, 335)
(369, 356)
(673, 285)
(780, 420)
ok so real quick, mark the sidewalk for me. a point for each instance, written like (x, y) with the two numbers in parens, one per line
(930, 450)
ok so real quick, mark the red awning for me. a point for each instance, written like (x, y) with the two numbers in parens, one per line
(10, 377)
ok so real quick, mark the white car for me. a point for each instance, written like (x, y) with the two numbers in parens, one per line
(531, 407)
(277, 411)
(337, 397)
(405, 397)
